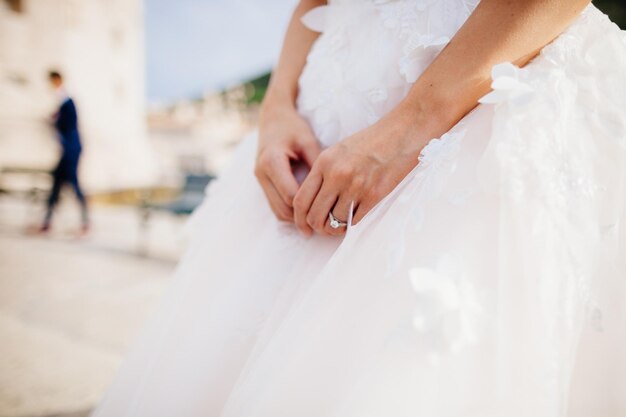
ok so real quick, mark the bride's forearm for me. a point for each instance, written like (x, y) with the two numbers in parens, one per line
(283, 87)
(497, 31)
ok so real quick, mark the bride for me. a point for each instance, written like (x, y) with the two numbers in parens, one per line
(430, 222)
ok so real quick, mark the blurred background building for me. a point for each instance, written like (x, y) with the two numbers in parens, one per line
(165, 90)
(99, 48)
(143, 122)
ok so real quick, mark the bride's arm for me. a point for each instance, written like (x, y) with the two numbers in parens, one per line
(283, 87)
(497, 31)
(365, 167)
(283, 134)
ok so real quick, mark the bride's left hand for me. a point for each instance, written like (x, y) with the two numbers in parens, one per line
(362, 168)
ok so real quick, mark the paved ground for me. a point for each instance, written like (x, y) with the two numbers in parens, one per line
(69, 308)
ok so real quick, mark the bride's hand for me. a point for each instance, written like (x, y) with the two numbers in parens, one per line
(363, 168)
(284, 137)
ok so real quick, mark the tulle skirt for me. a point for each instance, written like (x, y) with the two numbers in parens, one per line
(490, 282)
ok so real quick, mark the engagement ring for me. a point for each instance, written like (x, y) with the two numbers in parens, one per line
(335, 223)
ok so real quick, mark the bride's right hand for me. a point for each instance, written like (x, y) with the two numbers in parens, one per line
(284, 137)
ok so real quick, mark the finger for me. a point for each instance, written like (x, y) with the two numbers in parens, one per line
(279, 207)
(310, 150)
(341, 211)
(304, 198)
(323, 202)
(282, 178)
(360, 211)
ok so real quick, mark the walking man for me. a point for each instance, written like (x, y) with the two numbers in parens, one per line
(66, 171)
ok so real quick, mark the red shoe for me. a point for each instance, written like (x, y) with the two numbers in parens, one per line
(44, 229)
(84, 231)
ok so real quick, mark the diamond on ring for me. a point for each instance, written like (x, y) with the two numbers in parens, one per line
(335, 223)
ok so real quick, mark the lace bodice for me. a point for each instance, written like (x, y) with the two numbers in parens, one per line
(368, 55)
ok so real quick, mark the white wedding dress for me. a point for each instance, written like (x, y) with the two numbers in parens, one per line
(491, 282)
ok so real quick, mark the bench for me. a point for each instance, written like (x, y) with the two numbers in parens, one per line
(190, 197)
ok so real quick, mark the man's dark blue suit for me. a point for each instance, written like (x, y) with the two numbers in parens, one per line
(66, 171)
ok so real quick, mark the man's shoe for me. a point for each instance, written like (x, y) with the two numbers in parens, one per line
(84, 230)
(44, 229)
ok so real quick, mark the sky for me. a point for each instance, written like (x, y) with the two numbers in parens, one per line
(197, 46)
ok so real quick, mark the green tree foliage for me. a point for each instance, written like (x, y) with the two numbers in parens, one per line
(616, 9)
(257, 88)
